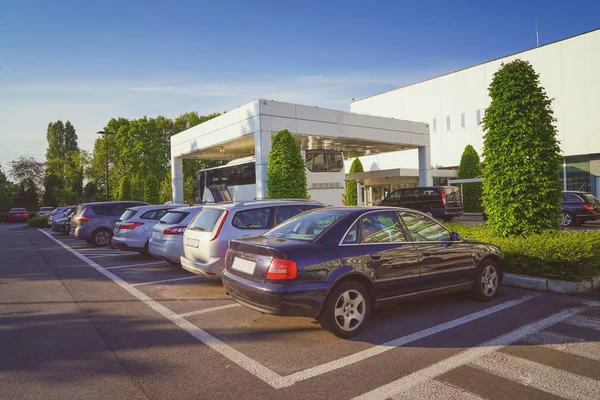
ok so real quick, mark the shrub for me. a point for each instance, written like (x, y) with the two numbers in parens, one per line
(125, 189)
(351, 195)
(470, 168)
(286, 175)
(38, 222)
(151, 190)
(3, 217)
(557, 254)
(521, 191)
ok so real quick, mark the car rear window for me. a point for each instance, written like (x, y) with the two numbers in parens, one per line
(46, 209)
(206, 219)
(18, 209)
(154, 214)
(128, 214)
(306, 227)
(591, 198)
(173, 217)
(79, 210)
(452, 193)
(258, 218)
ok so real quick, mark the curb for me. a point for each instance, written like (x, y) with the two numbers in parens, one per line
(551, 285)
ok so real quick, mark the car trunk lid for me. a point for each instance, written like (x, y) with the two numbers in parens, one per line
(202, 230)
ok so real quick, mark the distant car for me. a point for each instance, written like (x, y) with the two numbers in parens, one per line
(338, 264)
(59, 213)
(443, 202)
(17, 215)
(133, 229)
(94, 222)
(207, 236)
(579, 207)
(167, 235)
(43, 211)
(63, 224)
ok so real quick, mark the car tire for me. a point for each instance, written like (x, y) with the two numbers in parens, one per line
(101, 237)
(345, 303)
(486, 286)
(566, 219)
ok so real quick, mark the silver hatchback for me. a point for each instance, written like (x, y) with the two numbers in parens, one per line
(206, 238)
(134, 228)
(167, 235)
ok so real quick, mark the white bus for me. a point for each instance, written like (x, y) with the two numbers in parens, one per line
(236, 180)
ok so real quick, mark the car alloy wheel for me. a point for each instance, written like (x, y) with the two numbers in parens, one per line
(566, 219)
(102, 238)
(489, 281)
(350, 310)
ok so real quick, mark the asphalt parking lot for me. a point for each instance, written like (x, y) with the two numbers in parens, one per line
(84, 322)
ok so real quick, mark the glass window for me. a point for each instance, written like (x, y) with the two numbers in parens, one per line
(173, 217)
(154, 214)
(257, 218)
(381, 227)
(352, 235)
(571, 197)
(591, 198)
(116, 209)
(396, 195)
(128, 214)
(206, 219)
(305, 227)
(462, 120)
(478, 116)
(434, 125)
(284, 213)
(448, 125)
(324, 160)
(423, 228)
(452, 193)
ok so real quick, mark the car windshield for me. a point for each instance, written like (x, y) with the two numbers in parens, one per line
(305, 227)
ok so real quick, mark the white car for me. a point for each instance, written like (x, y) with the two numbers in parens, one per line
(167, 235)
(44, 211)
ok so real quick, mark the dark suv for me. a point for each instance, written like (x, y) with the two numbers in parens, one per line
(579, 207)
(94, 222)
(437, 201)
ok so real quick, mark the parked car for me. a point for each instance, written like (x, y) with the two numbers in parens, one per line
(94, 222)
(17, 215)
(167, 235)
(579, 207)
(206, 237)
(63, 224)
(60, 212)
(133, 229)
(338, 264)
(43, 211)
(437, 201)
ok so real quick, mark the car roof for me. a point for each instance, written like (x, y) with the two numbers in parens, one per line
(264, 203)
(151, 207)
(188, 208)
(100, 203)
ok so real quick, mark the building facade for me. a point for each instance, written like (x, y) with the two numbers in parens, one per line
(453, 105)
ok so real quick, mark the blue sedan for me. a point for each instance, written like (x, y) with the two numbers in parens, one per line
(338, 264)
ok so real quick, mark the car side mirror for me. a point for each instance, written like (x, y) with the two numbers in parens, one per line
(454, 237)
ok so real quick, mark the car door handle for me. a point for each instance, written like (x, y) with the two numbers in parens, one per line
(375, 256)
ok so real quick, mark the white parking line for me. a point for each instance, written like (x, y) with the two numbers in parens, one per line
(167, 280)
(257, 369)
(137, 265)
(207, 310)
(392, 344)
(468, 356)
(107, 255)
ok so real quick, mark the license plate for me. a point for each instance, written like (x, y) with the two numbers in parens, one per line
(156, 235)
(245, 266)
(192, 242)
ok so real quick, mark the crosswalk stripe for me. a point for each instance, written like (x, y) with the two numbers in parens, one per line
(465, 357)
(566, 344)
(585, 322)
(436, 390)
(543, 377)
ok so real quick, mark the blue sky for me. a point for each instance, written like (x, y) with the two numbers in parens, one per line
(90, 62)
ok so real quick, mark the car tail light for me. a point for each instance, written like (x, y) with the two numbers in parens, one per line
(280, 269)
(176, 230)
(589, 207)
(219, 225)
(82, 217)
(130, 225)
(444, 197)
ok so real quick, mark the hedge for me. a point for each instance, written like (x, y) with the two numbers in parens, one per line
(38, 222)
(555, 254)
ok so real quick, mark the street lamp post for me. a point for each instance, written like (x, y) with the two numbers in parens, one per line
(106, 133)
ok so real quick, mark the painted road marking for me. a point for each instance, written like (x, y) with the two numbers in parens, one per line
(257, 369)
(167, 280)
(136, 265)
(543, 377)
(207, 310)
(466, 357)
(108, 255)
(392, 344)
(591, 303)
(585, 322)
(436, 390)
(566, 344)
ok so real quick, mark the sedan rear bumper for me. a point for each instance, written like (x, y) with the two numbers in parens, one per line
(305, 300)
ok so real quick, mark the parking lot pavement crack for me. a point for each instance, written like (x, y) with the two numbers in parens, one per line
(89, 321)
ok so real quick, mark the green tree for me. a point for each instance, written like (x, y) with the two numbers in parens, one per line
(351, 195)
(166, 191)
(286, 177)
(8, 191)
(51, 184)
(521, 191)
(470, 167)
(27, 170)
(125, 189)
(151, 190)
(90, 191)
(188, 190)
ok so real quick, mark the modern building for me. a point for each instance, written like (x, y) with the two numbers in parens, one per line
(453, 105)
